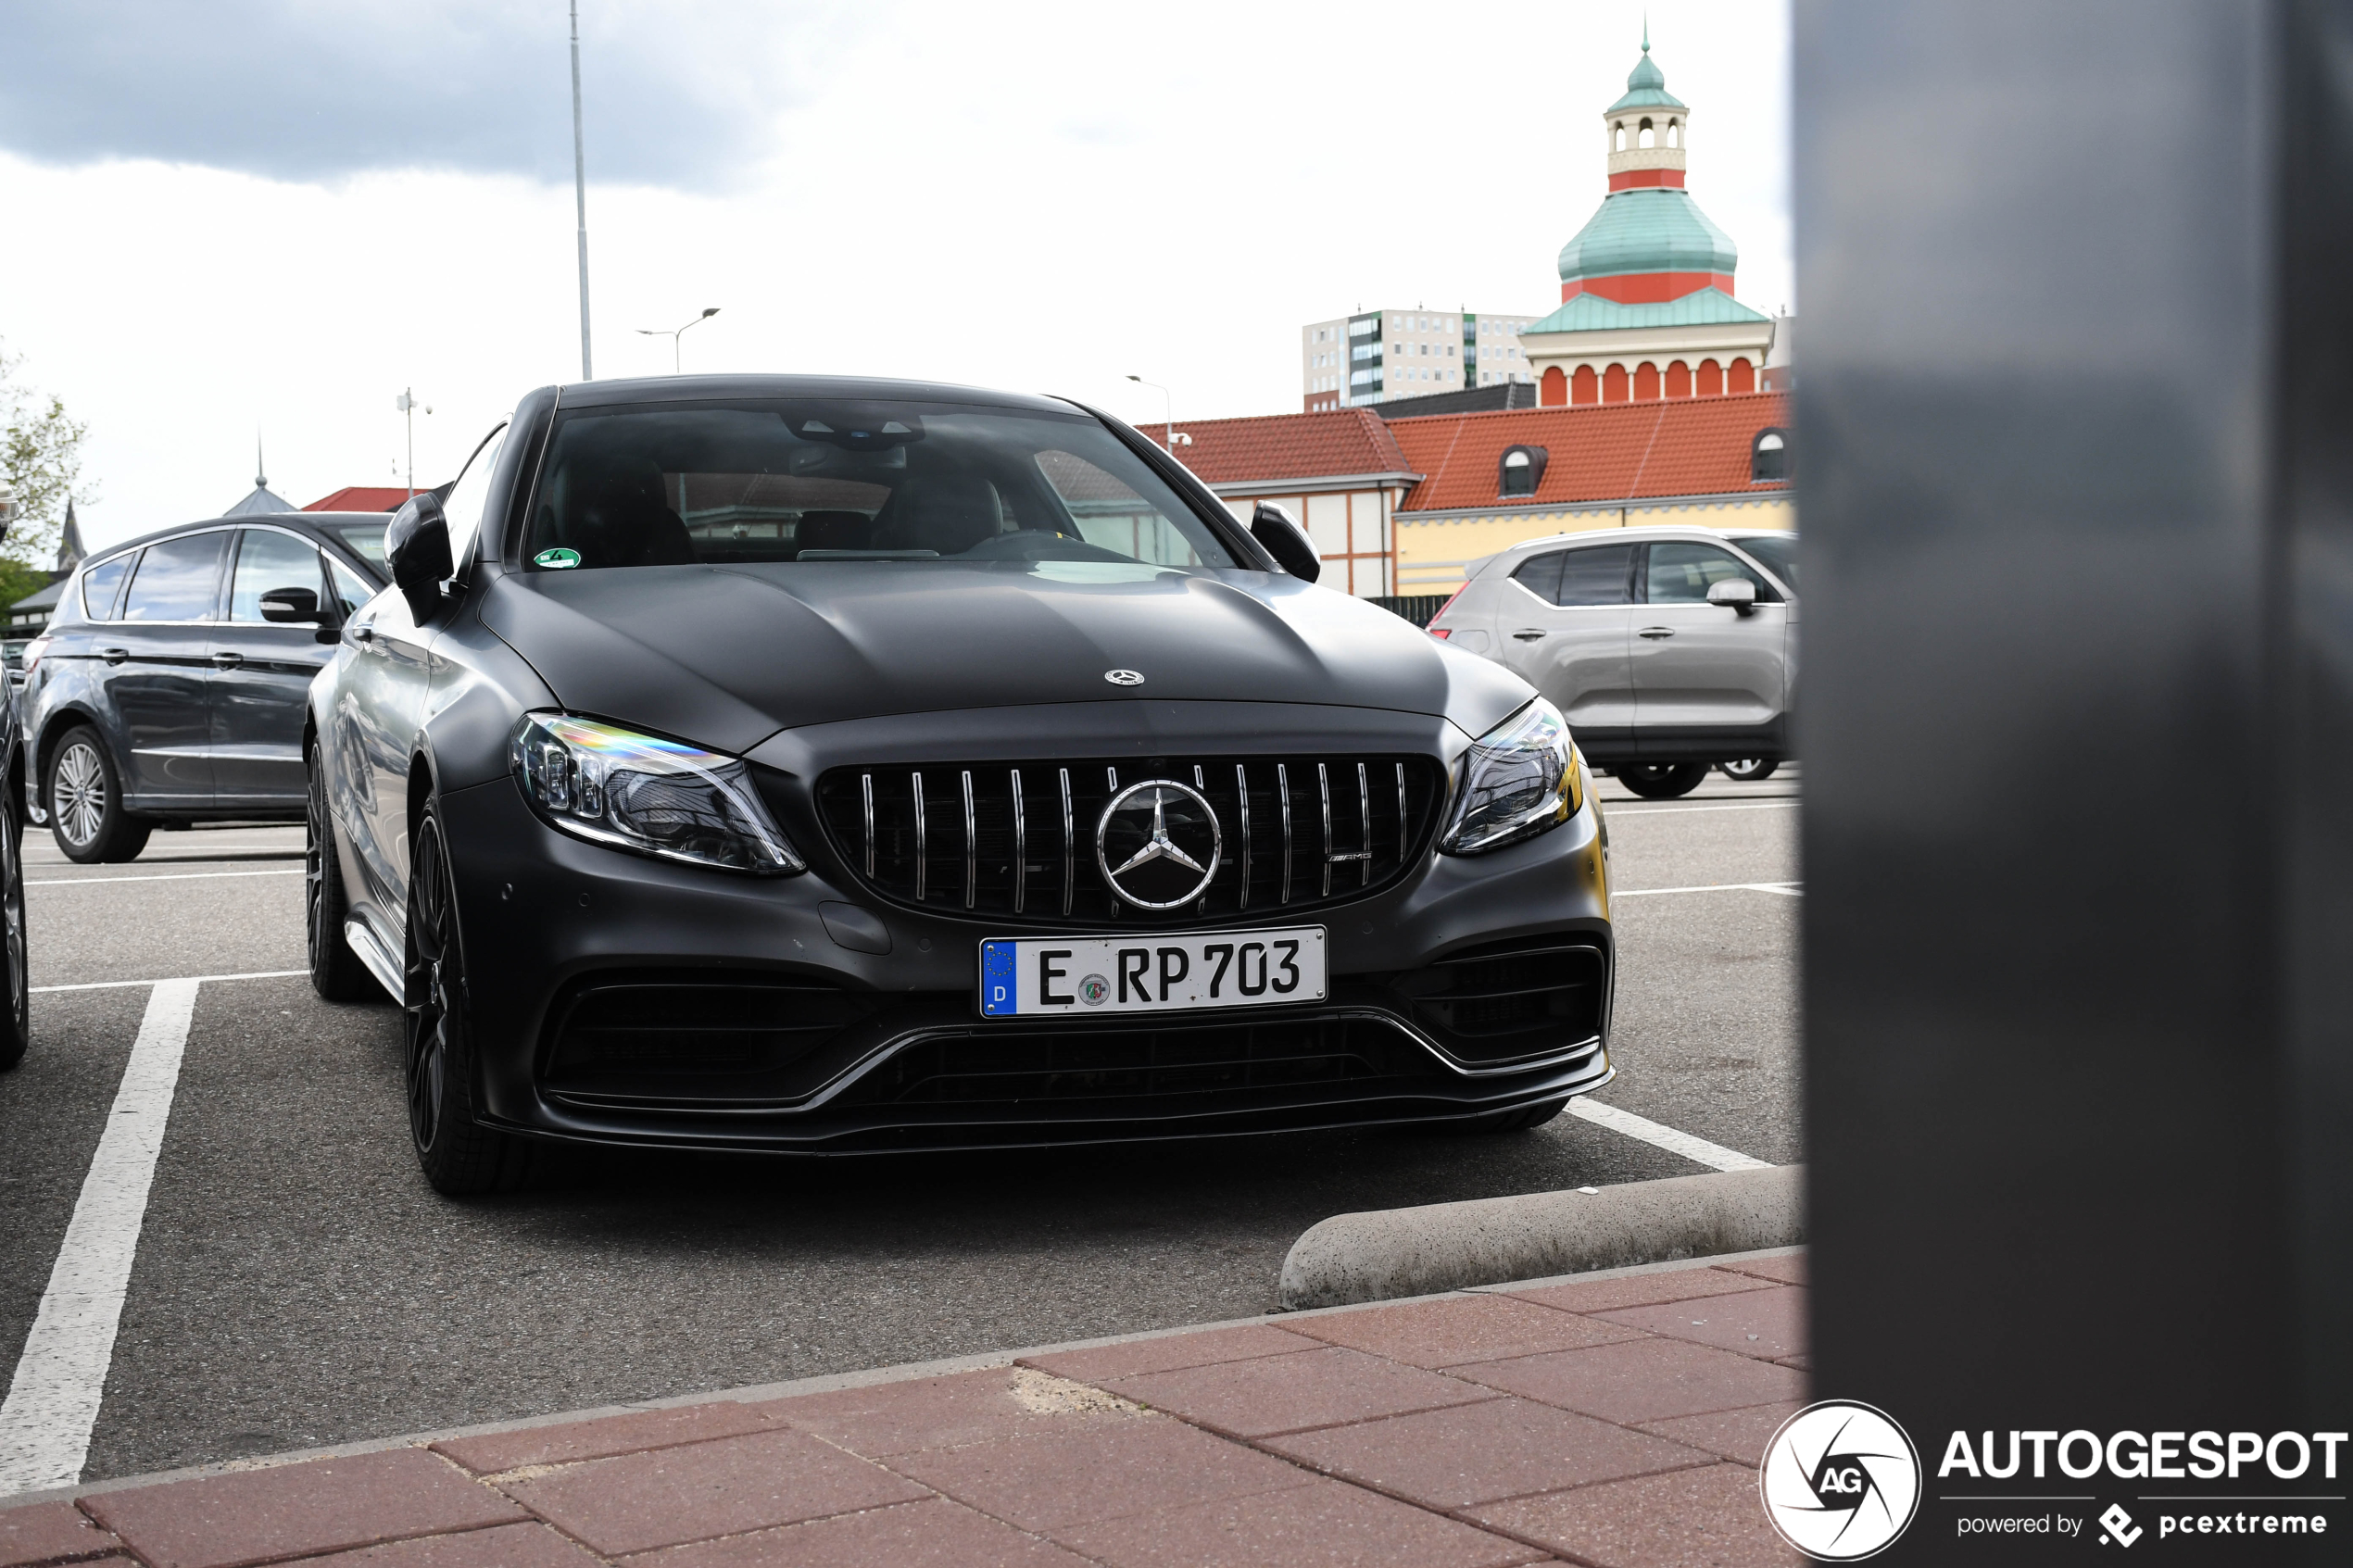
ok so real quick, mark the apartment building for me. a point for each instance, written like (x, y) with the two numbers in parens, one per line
(1375, 356)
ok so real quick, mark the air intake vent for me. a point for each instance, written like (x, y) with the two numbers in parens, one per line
(1017, 842)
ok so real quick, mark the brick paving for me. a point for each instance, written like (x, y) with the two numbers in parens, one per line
(1615, 1422)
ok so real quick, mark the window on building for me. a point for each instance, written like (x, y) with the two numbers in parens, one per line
(1768, 456)
(1644, 135)
(1674, 132)
(1522, 471)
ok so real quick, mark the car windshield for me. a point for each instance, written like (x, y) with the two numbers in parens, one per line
(817, 480)
(366, 539)
(1777, 551)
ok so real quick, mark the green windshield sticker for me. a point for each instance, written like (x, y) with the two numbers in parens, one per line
(557, 557)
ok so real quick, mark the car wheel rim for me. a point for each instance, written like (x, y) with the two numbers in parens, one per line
(78, 794)
(431, 986)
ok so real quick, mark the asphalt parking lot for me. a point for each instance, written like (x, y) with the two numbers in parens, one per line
(298, 1284)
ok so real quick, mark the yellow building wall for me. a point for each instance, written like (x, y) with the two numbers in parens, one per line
(1433, 555)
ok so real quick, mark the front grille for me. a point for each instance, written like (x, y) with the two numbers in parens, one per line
(1016, 841)
(1120, 1072)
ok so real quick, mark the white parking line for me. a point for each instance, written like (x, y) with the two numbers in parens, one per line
(188, 980)
(169, 876)
(1668, 1139)
(1615, 811)
(53, 1401)
(1788, 889)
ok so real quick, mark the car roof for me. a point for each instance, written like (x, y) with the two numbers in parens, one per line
(1636, 535)
(696, 389)
(300, 522)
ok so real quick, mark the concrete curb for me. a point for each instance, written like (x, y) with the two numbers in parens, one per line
(1388, 1253)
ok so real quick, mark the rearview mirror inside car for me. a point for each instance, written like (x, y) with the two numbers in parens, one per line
(416, 549)
(1286, 541)
(292, 607)
(1737, 592)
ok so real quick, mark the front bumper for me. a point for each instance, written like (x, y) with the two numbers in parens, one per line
(619, 999)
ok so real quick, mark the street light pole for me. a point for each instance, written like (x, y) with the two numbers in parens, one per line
(407, 404)
(580, 199)
(1168, 413)
(674, 332)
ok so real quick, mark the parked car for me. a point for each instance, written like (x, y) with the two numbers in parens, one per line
(803, 764)
(169, 685)
(1669, 649)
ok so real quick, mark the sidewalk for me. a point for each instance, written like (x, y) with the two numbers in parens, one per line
(1615, 1422)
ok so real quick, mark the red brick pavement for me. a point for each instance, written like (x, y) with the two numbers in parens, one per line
(1615, 1422)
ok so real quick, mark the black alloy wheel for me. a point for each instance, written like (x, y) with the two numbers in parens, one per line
(84, 791)
(1748, 770)
(16, 1030)
(460, 1156)
(336, 973)
(1662, 781)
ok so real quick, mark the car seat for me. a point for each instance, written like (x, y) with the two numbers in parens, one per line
(950, 514)
(624, 520)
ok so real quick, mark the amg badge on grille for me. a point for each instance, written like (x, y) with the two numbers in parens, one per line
(1158, 844)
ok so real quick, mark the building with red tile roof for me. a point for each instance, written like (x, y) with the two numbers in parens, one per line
(1489, 481)
(363, 499)
(1340, 474)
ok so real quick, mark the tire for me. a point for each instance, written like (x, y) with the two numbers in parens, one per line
(85, 793)
(460, 1156)
(1662, 781)
(1751, 769)
(336, 973)
(15, 1026)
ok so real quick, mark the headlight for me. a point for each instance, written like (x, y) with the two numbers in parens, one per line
(1520, 779)
(639, 792)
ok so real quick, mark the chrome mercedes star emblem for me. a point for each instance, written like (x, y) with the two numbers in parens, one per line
(1158, 844)
(1123, 677)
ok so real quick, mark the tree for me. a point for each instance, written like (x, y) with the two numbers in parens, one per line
(41, 459)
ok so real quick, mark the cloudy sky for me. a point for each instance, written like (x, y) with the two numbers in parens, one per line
(273, 215)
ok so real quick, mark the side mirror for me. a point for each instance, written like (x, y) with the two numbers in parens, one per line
(417, 547)
(1737, 592)
(292, 607)
(1286, 541)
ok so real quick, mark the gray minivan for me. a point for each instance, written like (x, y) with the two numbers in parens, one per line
(1669, 650)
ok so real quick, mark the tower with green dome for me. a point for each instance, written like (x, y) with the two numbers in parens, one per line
(1646, 285)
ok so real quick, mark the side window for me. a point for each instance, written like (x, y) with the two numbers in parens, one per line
(1682, 573)
(178, 580)
(1768, 456)
(100, 584)
(1602, 575)
(351, 589)
(462, 506)
(1540, 575)
(269, 559)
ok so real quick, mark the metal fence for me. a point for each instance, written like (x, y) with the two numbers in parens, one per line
(1419, 608)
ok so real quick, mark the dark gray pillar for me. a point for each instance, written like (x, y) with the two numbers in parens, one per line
(2076, 466)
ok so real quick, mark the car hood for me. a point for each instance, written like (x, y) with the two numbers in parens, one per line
(725, 655)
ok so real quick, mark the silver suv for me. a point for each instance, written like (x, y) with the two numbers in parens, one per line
(1669, 649)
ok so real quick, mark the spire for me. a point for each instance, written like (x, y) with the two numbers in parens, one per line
(1646, 29)
(69, 550)
(261, 472)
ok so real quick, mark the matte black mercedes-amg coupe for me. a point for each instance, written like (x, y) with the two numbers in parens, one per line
(840, 766)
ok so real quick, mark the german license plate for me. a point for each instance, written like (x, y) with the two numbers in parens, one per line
(1078, 976)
